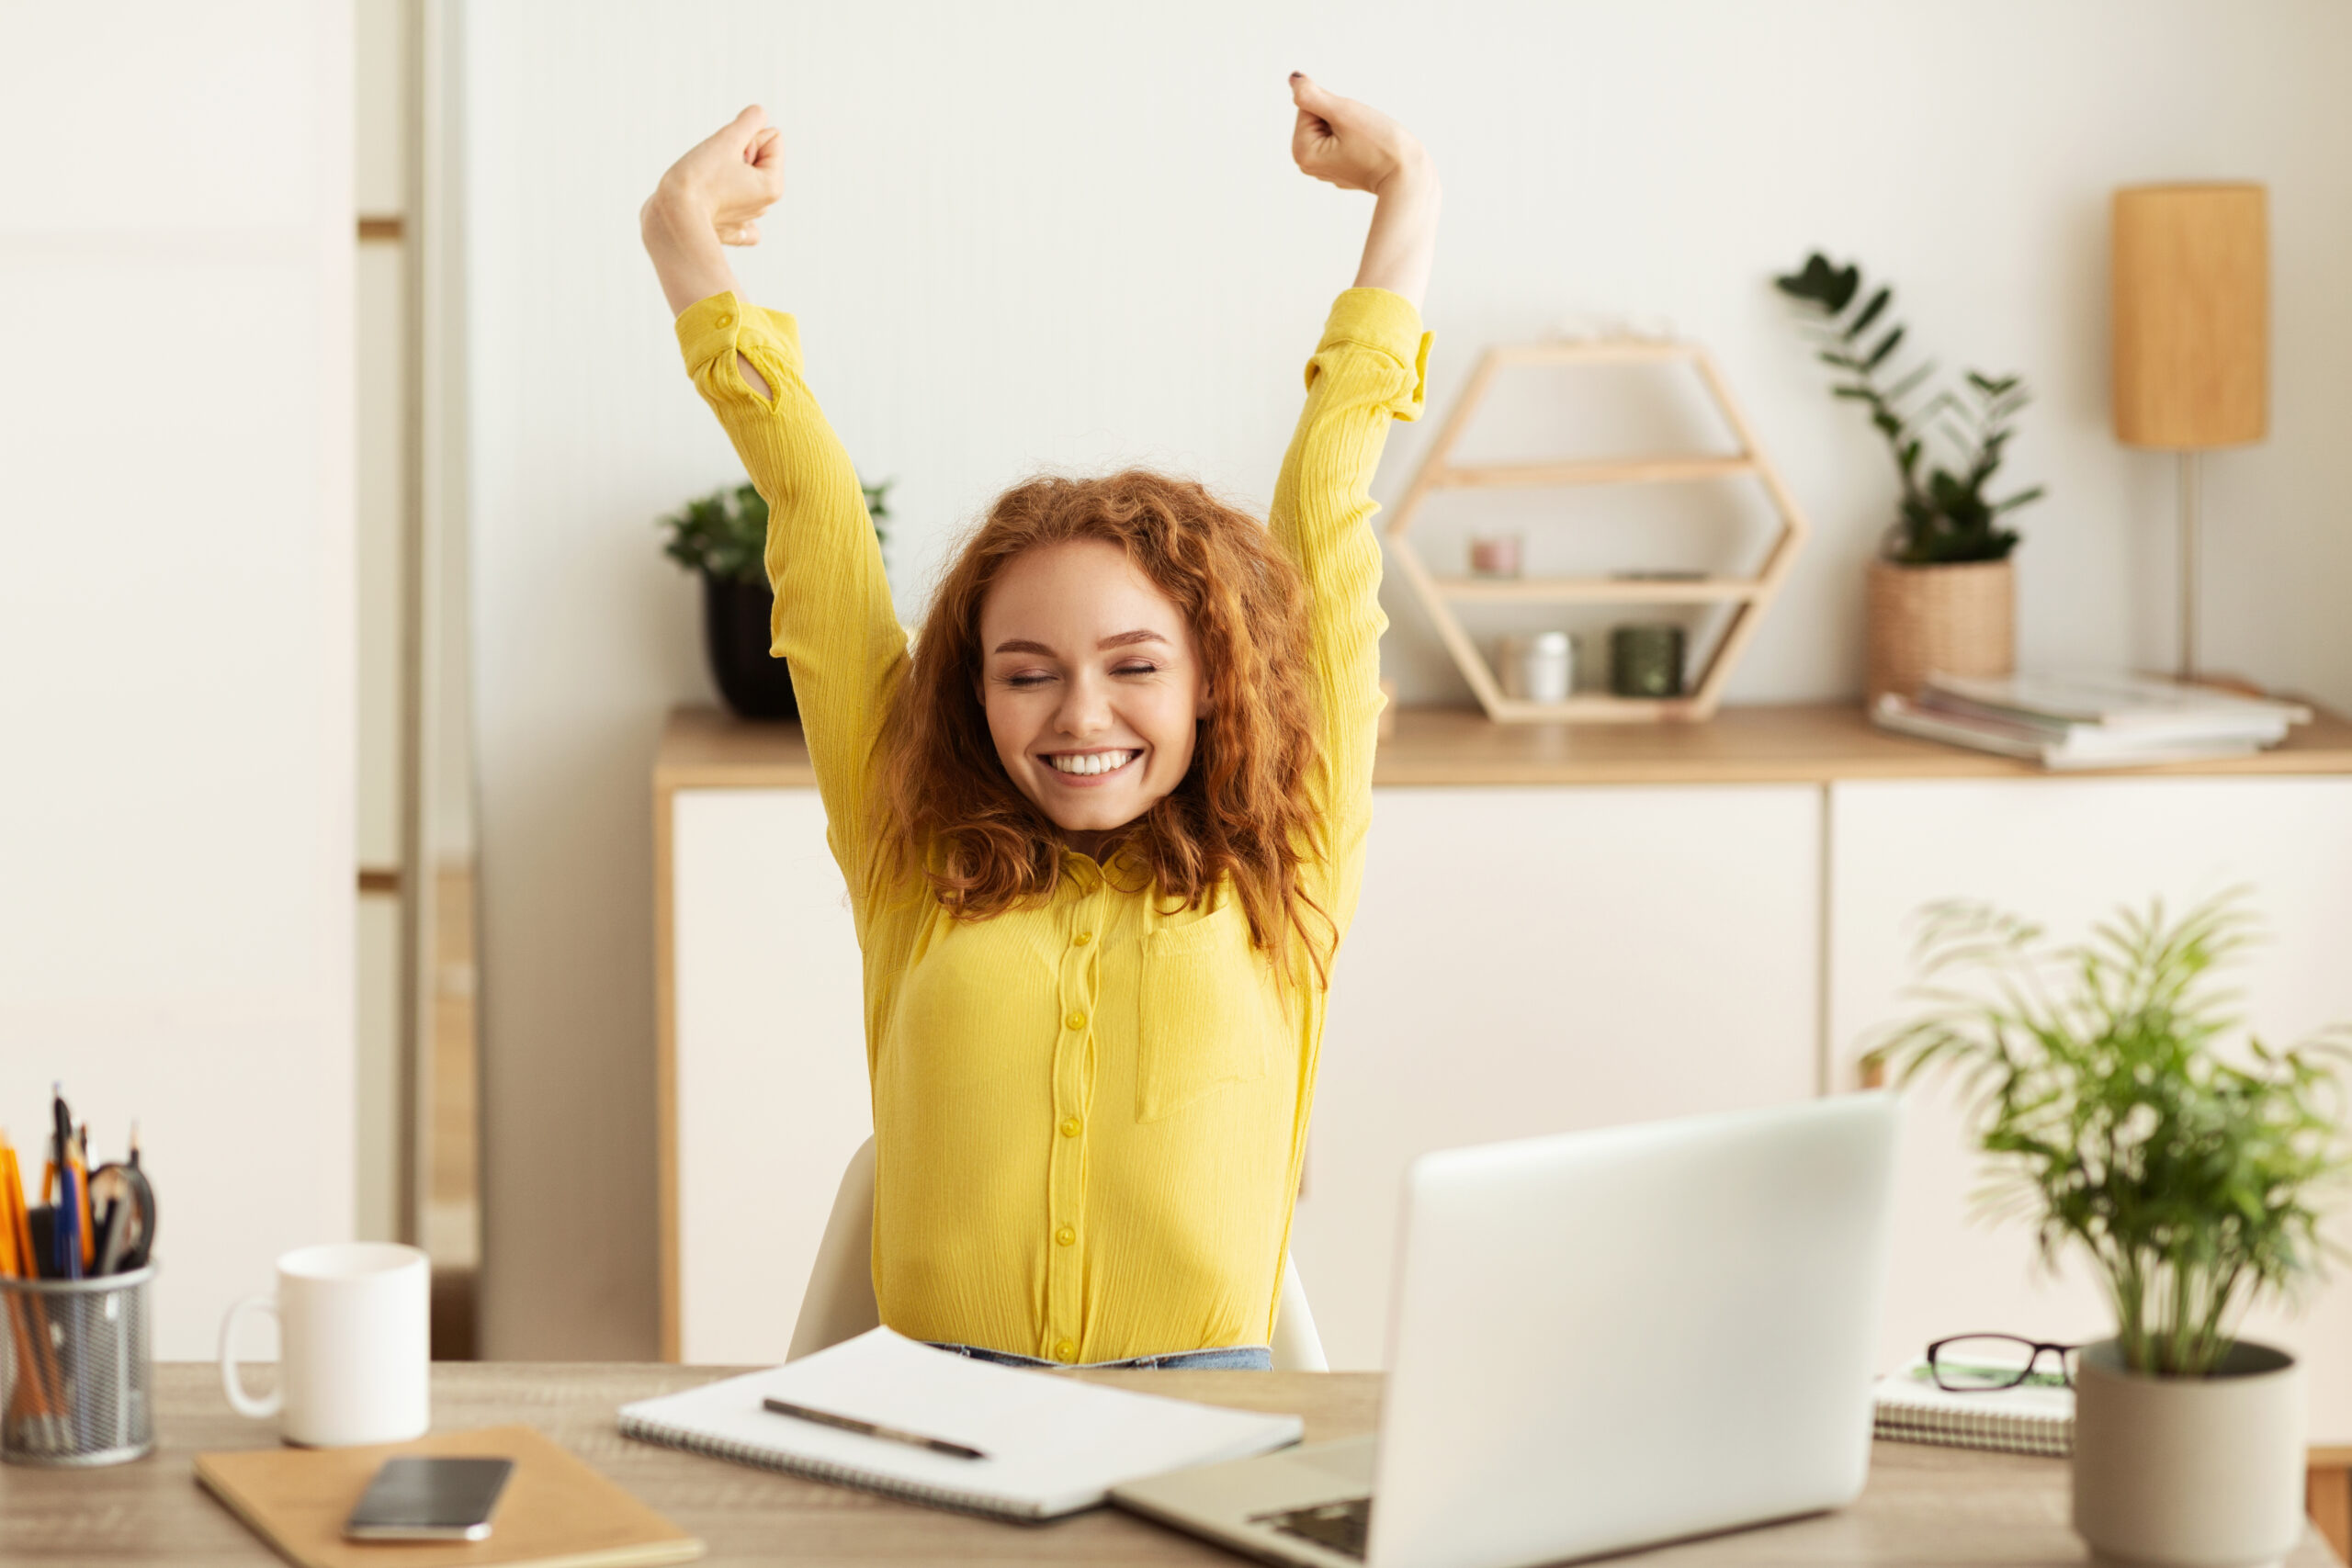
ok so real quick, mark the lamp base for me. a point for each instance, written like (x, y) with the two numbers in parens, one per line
(2191, 498)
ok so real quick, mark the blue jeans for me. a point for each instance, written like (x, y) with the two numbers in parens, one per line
(1236, 1358)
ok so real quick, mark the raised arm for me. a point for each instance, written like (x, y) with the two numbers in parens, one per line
(1355, 147)
(833, 618)
(1366, 371)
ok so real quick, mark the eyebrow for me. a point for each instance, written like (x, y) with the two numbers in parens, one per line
(1123, 639)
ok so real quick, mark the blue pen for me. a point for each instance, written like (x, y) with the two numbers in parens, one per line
(66, 1229)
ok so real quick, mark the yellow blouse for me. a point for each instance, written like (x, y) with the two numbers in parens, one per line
(1088, 1116)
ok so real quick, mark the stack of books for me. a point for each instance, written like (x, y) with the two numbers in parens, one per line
(2067, 722)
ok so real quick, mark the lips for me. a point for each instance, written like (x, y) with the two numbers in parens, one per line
(1091, 764)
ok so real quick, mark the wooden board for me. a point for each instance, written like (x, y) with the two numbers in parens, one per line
(1809, 742)
(555, 1512)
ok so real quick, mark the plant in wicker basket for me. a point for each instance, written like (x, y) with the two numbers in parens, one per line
(1946, 514)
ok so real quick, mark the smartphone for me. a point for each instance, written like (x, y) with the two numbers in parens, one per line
(430, 1499)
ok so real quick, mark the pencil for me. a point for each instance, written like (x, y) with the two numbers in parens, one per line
(16, 1260)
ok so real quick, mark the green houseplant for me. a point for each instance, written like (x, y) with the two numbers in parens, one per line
(1942, 594)
(723, 536)
(2124, 1111)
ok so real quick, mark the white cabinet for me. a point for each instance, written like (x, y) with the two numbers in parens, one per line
(1530, 961)
(770, 1062)
(2065, 853)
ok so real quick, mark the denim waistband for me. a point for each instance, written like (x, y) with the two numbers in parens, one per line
(1233, 1358)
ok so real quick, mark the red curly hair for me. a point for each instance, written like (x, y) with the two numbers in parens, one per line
(1241, 817)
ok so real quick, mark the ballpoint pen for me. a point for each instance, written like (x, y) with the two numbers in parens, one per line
(870, 1429)
(66, 1241)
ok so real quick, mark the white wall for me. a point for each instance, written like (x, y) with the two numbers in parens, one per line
(176, 616)
(1070, 235)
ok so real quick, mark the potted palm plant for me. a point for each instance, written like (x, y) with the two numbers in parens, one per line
(1942, 594)
(2120, 1108)
(723, 535)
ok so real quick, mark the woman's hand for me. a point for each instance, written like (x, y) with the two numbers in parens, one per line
(1349, 144)
(728, 178)
(712, 196)
(1356, 147)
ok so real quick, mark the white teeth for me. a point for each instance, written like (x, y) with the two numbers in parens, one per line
(1090, 762)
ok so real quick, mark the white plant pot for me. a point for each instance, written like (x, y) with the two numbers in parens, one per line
(2189, 1473)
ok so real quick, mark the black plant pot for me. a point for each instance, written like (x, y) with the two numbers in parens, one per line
(735, 630)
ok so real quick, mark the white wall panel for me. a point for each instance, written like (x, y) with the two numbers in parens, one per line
(2065, 853)
(771, 1050)
(176, 932)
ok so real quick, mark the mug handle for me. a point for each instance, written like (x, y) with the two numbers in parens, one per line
(245, 1403)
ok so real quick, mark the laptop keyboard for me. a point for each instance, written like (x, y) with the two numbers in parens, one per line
(1339, 1527)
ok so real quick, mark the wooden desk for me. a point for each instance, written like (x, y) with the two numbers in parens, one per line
(1944, 1506)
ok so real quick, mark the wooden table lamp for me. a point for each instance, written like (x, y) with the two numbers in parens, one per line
(2192, 337)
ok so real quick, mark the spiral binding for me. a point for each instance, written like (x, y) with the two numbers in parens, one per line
(638, 1427)
(2006, 1431)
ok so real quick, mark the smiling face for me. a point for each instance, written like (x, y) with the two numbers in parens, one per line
(1092, 685)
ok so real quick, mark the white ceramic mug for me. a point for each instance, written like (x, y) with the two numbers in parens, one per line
(355, 1346)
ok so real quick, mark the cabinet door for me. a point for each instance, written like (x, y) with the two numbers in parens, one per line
(2065, 853)
(772, 1097)
(1530, 961)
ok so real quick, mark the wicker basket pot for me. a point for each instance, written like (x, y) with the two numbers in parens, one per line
(1959, 619)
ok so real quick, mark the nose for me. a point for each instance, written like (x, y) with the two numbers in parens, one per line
(1085, 708)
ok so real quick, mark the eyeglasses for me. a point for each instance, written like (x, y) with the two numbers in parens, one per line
(1977, 1363)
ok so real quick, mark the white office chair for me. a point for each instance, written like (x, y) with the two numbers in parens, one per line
(840, 1302)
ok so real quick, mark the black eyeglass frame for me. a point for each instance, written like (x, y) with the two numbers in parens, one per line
(2033, 1359)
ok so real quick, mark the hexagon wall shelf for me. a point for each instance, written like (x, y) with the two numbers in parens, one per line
(1749, 596)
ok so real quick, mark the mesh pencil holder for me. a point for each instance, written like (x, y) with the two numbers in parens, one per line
(77, 1378)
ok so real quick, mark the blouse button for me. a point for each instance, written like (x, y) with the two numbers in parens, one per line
(1067, 1236)
(722, 320)
(1072, 1127)
(1076, 1021)
(1081, 939)
(1065, 1351)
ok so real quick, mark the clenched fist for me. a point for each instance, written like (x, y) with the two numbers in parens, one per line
(1349, 144)
(728, 179)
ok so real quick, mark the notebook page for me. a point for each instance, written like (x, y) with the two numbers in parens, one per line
(1053, 1445)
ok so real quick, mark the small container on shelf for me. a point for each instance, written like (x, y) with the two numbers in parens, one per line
(1645, 661)
(1538, 668)
(1497, 555)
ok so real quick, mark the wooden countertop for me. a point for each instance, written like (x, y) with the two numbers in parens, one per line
(1805, 743)
(1949, 1507)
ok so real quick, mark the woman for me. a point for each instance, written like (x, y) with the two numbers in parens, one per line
(1104, 826)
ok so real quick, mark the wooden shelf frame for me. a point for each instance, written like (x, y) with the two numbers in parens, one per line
(1598, 590)
(1748, 597)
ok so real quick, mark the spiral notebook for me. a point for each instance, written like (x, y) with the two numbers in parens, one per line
(1050, 1445)
(1912, 1409)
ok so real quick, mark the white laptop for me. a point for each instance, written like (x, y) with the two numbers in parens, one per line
(1601, 1340)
